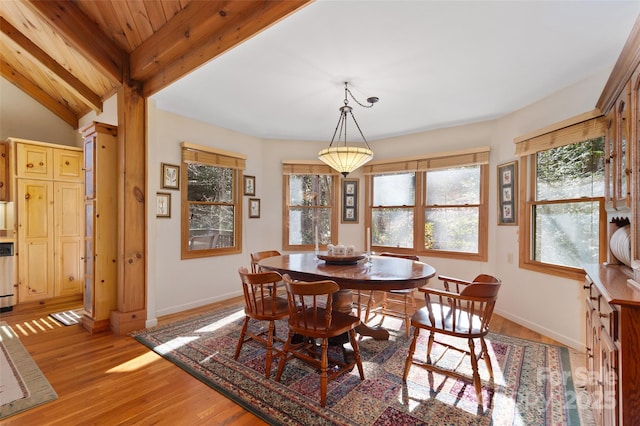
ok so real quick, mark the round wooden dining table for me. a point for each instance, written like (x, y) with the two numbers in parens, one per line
(378, 273)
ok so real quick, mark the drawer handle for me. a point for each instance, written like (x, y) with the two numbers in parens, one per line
(29, 165)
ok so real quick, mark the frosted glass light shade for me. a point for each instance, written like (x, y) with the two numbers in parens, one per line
(345, 159)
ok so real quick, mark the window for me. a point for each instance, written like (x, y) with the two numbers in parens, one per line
(311, 209)
(565, 219)
(211, 202)
(436, 206)
(452, 210)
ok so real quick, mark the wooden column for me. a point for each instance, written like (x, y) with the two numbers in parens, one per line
(132, 282)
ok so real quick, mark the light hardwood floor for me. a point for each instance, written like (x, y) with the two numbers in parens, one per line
(103, 379)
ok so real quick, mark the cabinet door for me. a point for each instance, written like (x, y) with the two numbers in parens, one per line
(34, 161)
(69, 228)
(35, 240)
(608, 380)
(4, 172)
(89, 258)
(89, 162)
(67, 165)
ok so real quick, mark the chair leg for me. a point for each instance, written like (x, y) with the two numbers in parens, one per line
(370, 303)
(272, 329)
(412, 350)
(407, 320)
(487, 358)
(356, 352)
(476, 376)
(283, 359)
(324, 364)
(241, 339)
(430, 345)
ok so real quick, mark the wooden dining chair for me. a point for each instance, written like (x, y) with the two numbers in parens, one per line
(258, 256)
(465, 313)
(262, 304)
(394, 303)
(311, 315)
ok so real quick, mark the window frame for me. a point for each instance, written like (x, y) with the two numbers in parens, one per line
(420, 165)
(581, 128)
(208, 156)
(315, 168)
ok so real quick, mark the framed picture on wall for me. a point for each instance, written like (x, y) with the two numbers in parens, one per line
(249, 185)
(508, 193)
(170, 178)
(163, 204)
(254, 207)
(350, 200)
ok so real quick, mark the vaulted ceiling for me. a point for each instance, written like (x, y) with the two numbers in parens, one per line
(432, 63)
(72, 55)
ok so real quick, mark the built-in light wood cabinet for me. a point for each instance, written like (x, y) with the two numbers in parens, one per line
(49, 207)
(613, 299)
(4, 172)
(100, 215)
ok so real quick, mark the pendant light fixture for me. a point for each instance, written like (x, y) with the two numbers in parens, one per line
(341, 157)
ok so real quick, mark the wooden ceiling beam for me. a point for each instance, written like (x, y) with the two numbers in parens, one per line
(199, 33)
(72, 83)
(84, 35)
(36, 92)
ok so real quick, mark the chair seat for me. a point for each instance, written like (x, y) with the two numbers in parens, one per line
(281, 309)
(465, 325)
(340, 323)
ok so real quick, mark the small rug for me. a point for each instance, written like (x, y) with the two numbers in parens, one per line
(533, 381)
(67, 317)
(22, 384)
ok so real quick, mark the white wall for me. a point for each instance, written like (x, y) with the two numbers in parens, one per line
(23, 117)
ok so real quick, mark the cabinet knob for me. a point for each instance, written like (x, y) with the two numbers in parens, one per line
(593, 298)
(41, 164)
(603, 315)
(1, 184)
(27, 196)
(66, 163)
(71, 278)
(29, 165)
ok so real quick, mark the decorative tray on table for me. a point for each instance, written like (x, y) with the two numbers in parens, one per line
(345, 259)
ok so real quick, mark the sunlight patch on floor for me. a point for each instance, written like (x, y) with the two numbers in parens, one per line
(135, 363)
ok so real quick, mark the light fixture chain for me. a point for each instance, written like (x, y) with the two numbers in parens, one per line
(357, 101)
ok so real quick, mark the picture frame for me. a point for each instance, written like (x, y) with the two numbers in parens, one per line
(350, 200)
(163, 204)
(249, 183)
(254, 207)
(508, 193)
(169, 176)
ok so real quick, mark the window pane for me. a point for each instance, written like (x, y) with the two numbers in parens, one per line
(210, 226)
(302, 223)
(210, 183)
(454, 186)
(452, 229)
(392, 227)
(310, 190)
(394, 190)
(571, 171)
(566, 234)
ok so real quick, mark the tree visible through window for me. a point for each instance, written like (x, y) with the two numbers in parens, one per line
(211, 202)
(569, 192)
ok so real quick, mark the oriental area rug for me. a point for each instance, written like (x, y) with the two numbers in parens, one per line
(533, 382)
(22, 384)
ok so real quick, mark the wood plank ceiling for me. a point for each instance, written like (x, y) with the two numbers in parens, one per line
(72, 55)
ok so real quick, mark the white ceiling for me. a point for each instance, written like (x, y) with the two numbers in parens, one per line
(433, 64)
